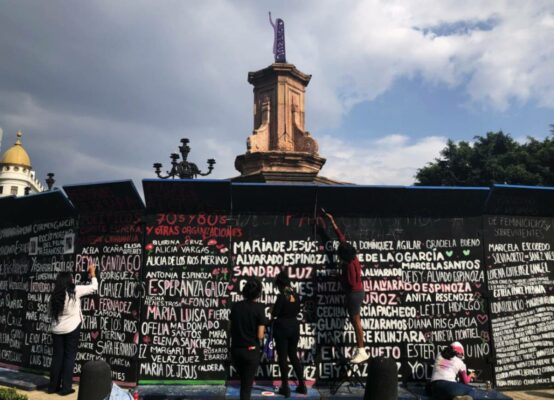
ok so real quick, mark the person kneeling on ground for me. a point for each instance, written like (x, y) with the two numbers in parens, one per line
(448, 368)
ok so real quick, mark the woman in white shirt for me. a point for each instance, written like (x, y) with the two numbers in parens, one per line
(450, 378)
(65, 310)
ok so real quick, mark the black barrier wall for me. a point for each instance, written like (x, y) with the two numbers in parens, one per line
(439, 265)
(520, 268)
(37, 240)
(110, 236)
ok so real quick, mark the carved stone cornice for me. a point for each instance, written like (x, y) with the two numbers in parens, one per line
(275, 70)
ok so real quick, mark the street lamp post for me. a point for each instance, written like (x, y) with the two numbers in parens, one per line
(50, 180)
(183, 169)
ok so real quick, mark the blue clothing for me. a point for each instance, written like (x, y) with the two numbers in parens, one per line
(446, 390)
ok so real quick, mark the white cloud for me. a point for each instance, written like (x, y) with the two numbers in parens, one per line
(389, 160)
(503, 54)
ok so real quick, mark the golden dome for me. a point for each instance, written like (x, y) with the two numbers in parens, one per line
(16, 154)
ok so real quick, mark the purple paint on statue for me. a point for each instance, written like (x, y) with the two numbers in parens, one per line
(278, 40)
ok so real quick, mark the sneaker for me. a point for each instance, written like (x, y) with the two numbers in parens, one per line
(285, 391)
(354, 353)
(66, 392)
(302, 389)
(359, 356)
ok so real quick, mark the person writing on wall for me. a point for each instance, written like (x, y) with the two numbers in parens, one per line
(286, 333)
(247, 319)
(450, 378)
(65, 310)
(353, 288)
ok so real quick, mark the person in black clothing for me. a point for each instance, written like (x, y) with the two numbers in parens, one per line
(247, 330)
(286, 332)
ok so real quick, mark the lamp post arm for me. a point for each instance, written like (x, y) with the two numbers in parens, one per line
(211, 163)
(162, 177)
(158, 172)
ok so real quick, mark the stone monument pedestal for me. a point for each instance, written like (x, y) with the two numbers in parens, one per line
(280, 149)
(280, 167)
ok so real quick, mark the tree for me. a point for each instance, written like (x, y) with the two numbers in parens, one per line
(494, 158)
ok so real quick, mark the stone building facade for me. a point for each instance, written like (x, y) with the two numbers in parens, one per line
(16, 172)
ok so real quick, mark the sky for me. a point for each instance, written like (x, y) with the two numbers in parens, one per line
(103, 89)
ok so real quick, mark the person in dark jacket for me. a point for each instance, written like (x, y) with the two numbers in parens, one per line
(353, 288)
(248, 322)
(286, 333)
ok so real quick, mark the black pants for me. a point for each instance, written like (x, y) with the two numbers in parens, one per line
(286, 333)
(246, 362)
(63, 360)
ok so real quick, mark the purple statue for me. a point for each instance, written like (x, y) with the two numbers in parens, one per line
(279, 40)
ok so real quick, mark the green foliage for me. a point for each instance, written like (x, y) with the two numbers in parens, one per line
(11, 394)
(494, 158)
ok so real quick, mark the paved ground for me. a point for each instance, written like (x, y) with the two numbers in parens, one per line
(538, 394)
(531, 394)
(42, 395)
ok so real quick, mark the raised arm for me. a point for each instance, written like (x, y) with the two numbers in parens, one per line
(85, 290)
(339, 233)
